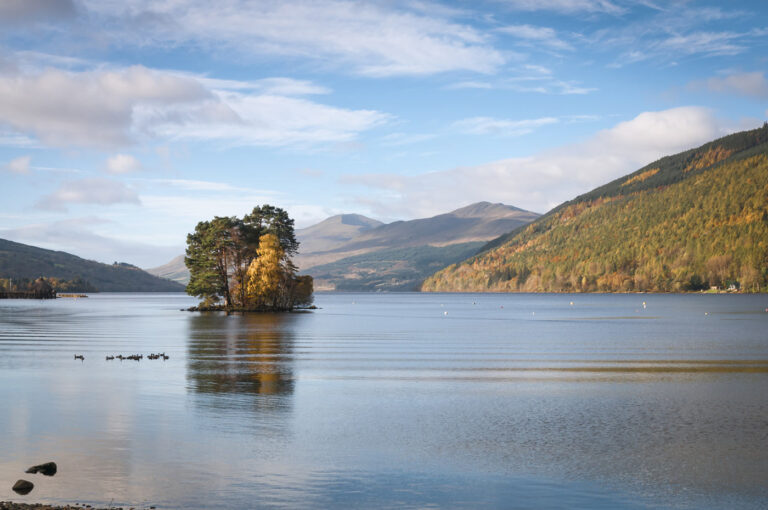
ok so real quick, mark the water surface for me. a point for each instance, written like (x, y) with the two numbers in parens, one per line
(391, 401)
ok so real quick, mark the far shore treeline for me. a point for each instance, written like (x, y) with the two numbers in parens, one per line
(244, 264)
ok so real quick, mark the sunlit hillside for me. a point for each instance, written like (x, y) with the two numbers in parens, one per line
(691, 221)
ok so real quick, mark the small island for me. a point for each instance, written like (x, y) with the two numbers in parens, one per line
(244, 264)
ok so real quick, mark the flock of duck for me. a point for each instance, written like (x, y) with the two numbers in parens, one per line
(135, 357)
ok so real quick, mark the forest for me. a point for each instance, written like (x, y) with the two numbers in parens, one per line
(690, 222)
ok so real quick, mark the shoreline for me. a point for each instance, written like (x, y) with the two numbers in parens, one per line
(11, 505)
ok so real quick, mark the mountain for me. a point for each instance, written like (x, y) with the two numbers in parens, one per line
(334, 231)
(174, 270)
(398, 255)
(20, 261)
(685, 222)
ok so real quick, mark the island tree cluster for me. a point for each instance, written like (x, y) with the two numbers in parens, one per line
(245, 263)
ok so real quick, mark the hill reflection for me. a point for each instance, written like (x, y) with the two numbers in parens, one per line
(241, 356)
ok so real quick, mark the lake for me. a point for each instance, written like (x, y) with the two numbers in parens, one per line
(390, 401)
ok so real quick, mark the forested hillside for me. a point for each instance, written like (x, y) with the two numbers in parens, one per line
(685, 222)
(71, 273)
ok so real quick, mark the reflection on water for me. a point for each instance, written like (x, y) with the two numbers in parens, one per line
(244, 355)
(391, 401)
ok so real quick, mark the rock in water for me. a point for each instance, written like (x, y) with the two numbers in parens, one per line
(48, 469)
(23, 487)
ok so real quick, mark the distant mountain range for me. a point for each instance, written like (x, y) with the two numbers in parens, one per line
(354, 252)
(690, 221)
(398, 256)
(20, 261)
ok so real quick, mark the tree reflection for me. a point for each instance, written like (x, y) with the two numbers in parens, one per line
(248, 356)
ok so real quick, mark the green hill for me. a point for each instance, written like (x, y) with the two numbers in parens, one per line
(20, 261)
(685, 222)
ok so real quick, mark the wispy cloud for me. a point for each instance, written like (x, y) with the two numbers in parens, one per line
(370, 38)
(501, 127)
(89, 191)
(122, 164)
(400, 139)
(536, 36)
(19, 165)
(677, 32)
(566, 6)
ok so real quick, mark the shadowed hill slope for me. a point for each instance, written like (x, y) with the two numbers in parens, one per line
(21, 261)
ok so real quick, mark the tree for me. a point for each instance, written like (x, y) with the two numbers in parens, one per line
(209, 259)
(267, 274)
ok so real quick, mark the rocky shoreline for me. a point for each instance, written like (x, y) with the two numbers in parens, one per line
(10, 505)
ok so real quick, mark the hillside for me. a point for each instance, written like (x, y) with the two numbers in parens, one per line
(685, 222)
(399, 255)
(20, 261)
(334, 231)
(174, 270)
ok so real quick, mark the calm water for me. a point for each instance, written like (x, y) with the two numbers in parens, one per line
(391, 401)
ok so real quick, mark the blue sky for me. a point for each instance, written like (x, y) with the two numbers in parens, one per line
(123, 123)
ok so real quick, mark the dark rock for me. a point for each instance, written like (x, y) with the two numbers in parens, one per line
(23, 487)
(48, 469)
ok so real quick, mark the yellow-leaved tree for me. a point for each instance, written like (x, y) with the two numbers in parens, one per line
(268, 275)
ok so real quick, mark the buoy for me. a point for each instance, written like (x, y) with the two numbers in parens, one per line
(445, 313)
(571, 303)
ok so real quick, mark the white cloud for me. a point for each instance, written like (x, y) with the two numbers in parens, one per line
(566, 6)
(746, 84)
(19, 165)
(116, 108)
(400, 139)
(93, 108)
(242, 119)
(123, 164)
(501, 127)
(549, 178)
(471, 85)
(280, 86)
(89, 191)
(543, 36)
(373, 39)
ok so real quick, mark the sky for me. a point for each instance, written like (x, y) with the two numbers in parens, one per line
(125, 122)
